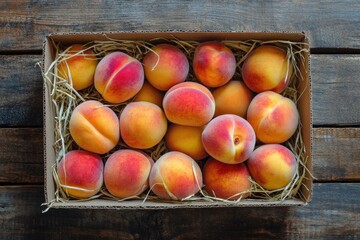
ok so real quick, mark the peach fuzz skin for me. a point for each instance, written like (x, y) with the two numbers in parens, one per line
(175, 176)
(189, 104)
(214, 64)
(165, 66)
(82, 170)
(142, 125)
(273, 117)
(81, 67)
(266, 68)
(118, 77)
(229, 139)
(226, 181)
(149, 94)
(272, 166)
(126, 173)
(232, 98)
(94, 127)
(186, 139)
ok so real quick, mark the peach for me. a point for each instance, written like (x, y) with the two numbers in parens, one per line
(229, 139)
(80, 173)
(126, 173)
(189, 104)
(78, 66)
(185, 139)
(94, 127)
(272, 166)
(118, 77)
(149, 94)
(226, 181)
(232, 98)
(214, 64)
(142, 125)
(175, 176)
(273, 117)
(267, 68)
(165, 65)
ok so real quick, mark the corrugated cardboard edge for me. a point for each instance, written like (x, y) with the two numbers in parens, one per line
(138, 204)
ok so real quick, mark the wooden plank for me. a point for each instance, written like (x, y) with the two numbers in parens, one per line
(333, 214)
(20, 91)
(336, 155)
(21, 155)
(335, 85)
(24, 24)
(336, 88)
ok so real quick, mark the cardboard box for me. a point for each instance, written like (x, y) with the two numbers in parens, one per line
(304, 106)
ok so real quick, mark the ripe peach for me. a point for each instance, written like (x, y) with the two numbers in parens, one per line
(165, 66)
(81, 173)
(189, 104)
(229, 139)
(214, 64)
(142, 125)
(118, 77)
(227, 181)
(273, 117)
(266, 68)
(94, 127)
(78, 66)
(175, 176)
(272, 166)
(232, 98)
(126, 173)
(185, 139)
(149, 94)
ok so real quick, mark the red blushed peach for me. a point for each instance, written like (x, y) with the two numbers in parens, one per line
(81, 173)
(165, 65)
(149, 94)
(185, 139)
(189, 104)
(78, 66)
(142, 125)
(94, 127)
(267, 68)
(229, 139)
(118, 77)
(226, 181)
(214, 64)
(232, 98)
(175, 176)
(272, 166)
(273, 117)
(127, 172)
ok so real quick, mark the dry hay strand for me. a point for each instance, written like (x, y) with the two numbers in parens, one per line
(65, 98)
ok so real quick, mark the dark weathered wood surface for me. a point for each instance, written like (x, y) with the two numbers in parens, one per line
(333, 29)
(331, 24)
(332, 213)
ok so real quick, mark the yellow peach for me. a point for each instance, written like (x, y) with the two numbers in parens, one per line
(274, 118)
(94, 127)
(272, 166)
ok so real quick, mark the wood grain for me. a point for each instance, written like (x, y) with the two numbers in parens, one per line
(24, 24)
(21, 155)
(336, 88)
(336, 155)
(333, 214)
(333, 84)
(20, 91)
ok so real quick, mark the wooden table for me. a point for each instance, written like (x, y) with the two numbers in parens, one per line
(334, 32)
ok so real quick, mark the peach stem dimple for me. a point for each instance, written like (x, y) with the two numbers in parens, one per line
(236, 140)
